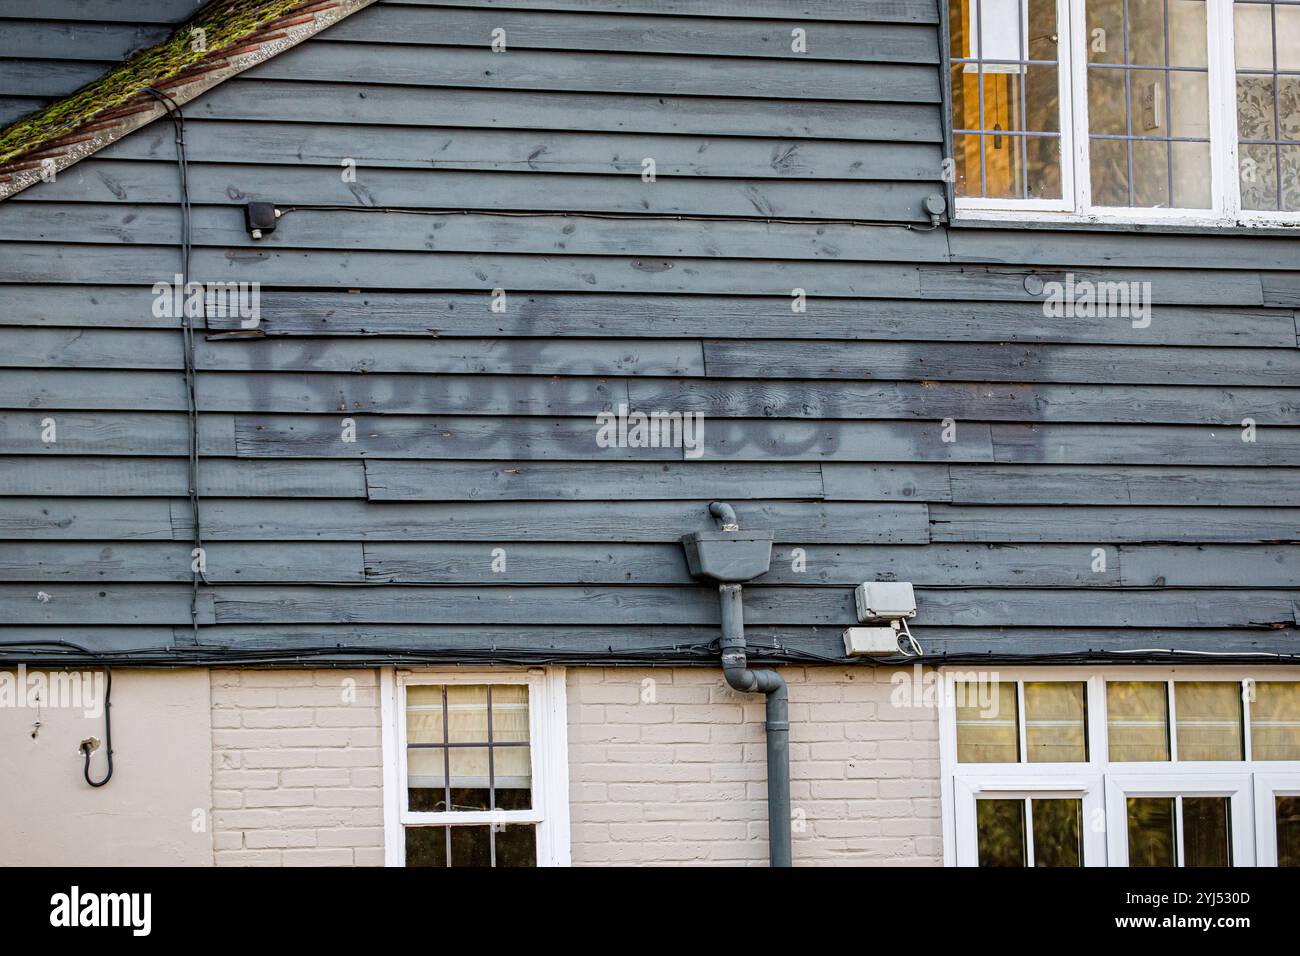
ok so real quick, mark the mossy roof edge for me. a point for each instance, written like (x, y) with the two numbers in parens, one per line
(225, 23)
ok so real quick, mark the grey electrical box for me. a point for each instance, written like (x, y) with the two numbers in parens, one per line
(885, 601)
(871, 641)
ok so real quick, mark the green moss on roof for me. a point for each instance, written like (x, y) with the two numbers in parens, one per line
(224, 23)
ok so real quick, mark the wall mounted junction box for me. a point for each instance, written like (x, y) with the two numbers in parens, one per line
(871, 641)
(884, 601)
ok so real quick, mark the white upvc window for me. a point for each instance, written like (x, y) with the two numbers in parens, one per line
(1152, 111)
(475, 767)
(1144, 766)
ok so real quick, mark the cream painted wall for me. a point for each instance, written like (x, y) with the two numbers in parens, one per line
(667, 767)
(162, 744)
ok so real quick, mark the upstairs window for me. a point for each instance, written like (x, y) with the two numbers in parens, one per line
(1127, 110)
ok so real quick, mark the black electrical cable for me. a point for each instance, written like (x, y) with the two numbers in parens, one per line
(198, 571)
(108, 702)
(625, 217)
(705, 654)
(108, 735)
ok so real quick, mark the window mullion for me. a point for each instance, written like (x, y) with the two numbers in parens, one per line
(1277, 105)
(539, 757)
(1098, 732)
(1128, 107)
(1072, 49)
(979, 75)
(1172, 730)
(1023, 78)
(1179, 854)
(1021, 719)
(1029, 832)
(1247, 750)
(1224, 148)
(446, 769)
(1169, 107)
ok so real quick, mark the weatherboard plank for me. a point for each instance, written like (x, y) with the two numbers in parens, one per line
(1012, 363)
(813, 565)
(1113, 524)
(50, 221)
(113, 433)
(1270, 443)
(562, 70)
(618, 30)
(314, 393)
(102, 181)
(597, 604)
(226, 519)
(934, 400)
(226, 562)
(140, 477)
(125, 604)
(852, 11)
(583, 315)
(1173, 484)
(307, 102)
(399, 480)
(608, 152)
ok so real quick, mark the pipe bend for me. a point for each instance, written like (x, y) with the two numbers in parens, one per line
(770, 682)
(725, 515)
(739, 678)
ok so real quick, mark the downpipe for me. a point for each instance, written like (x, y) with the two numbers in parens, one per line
(735, 667)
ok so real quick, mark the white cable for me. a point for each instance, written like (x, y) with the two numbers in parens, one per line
(1175, 650)
(907, 632)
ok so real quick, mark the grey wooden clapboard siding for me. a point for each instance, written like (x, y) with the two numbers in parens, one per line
(643, 72)
(564, 604)
(44, 263)
(545, 151)
(125, 182)
(594, 111)
(594, 30)
(627, 316)
(445, 562)
(857, 11)
(482, 394)
(1052, 484)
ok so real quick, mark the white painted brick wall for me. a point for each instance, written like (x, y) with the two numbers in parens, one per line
(296, 768)
(682, 780)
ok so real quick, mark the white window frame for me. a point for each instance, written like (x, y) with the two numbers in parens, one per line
(1267, 787)
(1084, 787)
(548, 752)
(1236, 786)
(1102, 784)
(1076, 206)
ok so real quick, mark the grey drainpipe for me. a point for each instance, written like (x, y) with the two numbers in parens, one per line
(736, 669)
(730, 556)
